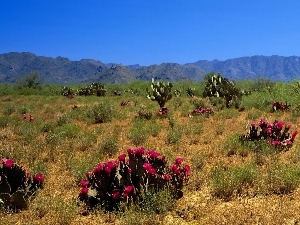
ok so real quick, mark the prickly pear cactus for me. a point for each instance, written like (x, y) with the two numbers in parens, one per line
(217, 86)
(161, 92)
(17, 187)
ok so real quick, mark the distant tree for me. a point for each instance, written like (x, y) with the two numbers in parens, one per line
(31, 80)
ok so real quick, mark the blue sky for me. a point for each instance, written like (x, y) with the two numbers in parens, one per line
(150, 32)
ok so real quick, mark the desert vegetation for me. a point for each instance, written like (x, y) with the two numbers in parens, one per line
(209, 152)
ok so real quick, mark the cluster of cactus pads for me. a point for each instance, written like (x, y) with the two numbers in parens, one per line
(280, 106)
(17, 187)
(161, 92)
(217, 86)
(125, 179)
(276, 133)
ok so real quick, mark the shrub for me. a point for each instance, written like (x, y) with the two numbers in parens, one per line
(173, 136)
(109, 146)
(282, 179)
(102, 113)
(126, 180)
(229, 181)
(17, 187)
(144, 113)
(138, 134)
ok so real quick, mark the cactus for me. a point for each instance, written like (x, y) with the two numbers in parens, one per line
(190, 92)
(161, 92)
(177, 93)
(67, 91)
(217, 86)
(92, 89)
(124, 180)
(17, 187)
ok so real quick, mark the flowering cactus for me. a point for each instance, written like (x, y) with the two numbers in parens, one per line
(125, 179)
(17, 186)
(280, 106)
(275, 133)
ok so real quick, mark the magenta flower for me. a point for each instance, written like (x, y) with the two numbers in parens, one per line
(84, 191)
(276, 143)
(8, 163)
(178, 160)
(129, 189)
(279, 125)
(152, 171)
(109, 166)
(167, 177)
(153, 154)
(187, 170)
(39, 177)
(269, 130)
(115, 195)
(98, 168)
(130, 151)
(147, 166)
(175, 169)
(294, 134)
(84, 183)
(122, 157)
(252, 124)
(139, 151)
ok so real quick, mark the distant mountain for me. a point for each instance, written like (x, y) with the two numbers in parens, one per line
(60, 70)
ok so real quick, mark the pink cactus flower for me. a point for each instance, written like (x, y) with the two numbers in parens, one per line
(147, 166)
(39, 177)
(252, 124)
(130, 151)
(84, 191)
(84, 183)
(269, 130)
(115, 195)
(294, 134)
(139, 151)
(24, 116)
(153, 154)
(122, 157)
(152, 171)
(178, 160)
(129, 189)
(167, 177)
(8, 163)
(187, 170)
(279, 125)
(98, 168)
(109, 166)
(175, 169)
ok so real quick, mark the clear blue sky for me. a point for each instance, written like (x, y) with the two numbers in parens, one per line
(150, 32)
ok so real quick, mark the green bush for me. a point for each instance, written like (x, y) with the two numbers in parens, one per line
(102, 113)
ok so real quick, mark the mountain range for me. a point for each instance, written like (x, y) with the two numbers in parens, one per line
(60, 70)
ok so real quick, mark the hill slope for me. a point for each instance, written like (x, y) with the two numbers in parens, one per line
(64, 71)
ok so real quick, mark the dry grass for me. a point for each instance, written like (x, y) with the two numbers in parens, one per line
(75, 145)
